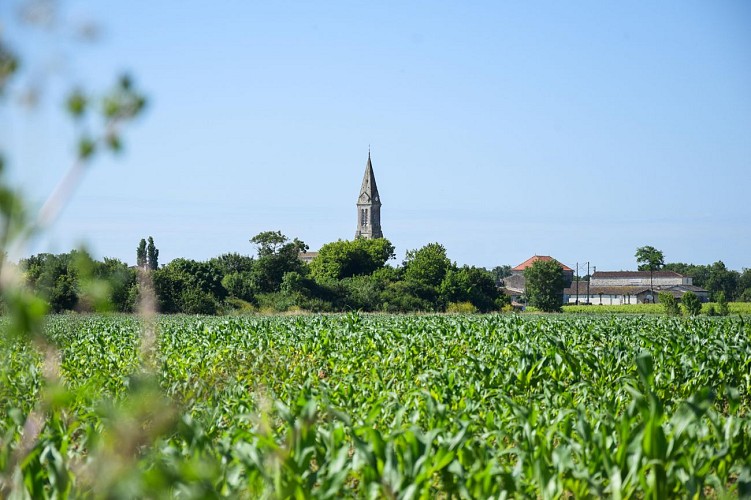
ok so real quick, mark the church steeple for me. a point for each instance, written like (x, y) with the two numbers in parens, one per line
(369, 206)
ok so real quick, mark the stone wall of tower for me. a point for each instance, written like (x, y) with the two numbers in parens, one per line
(369, 220)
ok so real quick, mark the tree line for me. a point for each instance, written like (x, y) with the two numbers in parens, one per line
(721, 283)
(346, 275)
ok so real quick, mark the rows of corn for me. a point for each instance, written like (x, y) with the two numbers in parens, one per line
(378, 407)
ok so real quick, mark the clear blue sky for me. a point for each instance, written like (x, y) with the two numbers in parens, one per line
(580, 130)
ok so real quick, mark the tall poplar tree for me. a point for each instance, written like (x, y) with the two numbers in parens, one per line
(152, 255)
(141, 254)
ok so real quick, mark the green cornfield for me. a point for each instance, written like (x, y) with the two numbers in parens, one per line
(450, 406)
(739, 308)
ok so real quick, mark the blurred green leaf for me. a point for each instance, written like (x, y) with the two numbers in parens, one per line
(9, 64)
(114, 143)
(76, 103)
(86, 148)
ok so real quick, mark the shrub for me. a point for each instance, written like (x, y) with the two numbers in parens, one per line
(669, 303)
(461, 307)
(692, 303)
(194, 301)
(275, 302)
(722, 304)
(239, 306)
(239, 285)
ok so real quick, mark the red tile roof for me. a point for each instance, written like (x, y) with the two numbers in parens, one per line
(527, 263)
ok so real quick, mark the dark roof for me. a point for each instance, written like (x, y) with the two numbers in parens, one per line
(527, 263)
(679, 291)
(635, 274)
(630, 290)
(307, 255)
(685, 288)
(605, 290)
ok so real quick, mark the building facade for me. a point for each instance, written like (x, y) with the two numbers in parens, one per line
(630, 287)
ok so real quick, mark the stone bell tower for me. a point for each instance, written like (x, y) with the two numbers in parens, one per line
(369, 206)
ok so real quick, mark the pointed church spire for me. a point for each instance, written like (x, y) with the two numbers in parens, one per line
(369, 189)
(369, 205)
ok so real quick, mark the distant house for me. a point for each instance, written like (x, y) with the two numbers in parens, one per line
(513, 287)
(307, 257)
(515, 284)
(568, 273)
(630, 287)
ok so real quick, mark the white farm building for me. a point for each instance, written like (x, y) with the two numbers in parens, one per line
(630, 287)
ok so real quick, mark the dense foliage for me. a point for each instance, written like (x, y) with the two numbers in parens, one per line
(670, 303)
(545, 283)
(62, 280)
(344, 259)
(346, 275)
(467, 406)
(691, 303)
(717, 279)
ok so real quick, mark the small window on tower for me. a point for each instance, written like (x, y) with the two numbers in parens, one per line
(364, 217)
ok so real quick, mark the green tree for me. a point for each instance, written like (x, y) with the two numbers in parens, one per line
(669, 303)
(715, 278)
(269, 242)
(293, 284)
(423, 272)
(743, 290)
(239, 285)
(189, 286)
(471, 284)
(500, 272)
(721, 279)
(152, 255)
(344, 259)
(408, 296)
(75, 280)
(363, 292)
(427, 265)
(650, 259)
(698, 273)
(544, 285)
(722, 304)
(237, 277)
(141, 254)
(196, 301)
(230, 263)
(277, 255)
(54, 278)
(692, 303)
(120, 279)
(64, 295)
